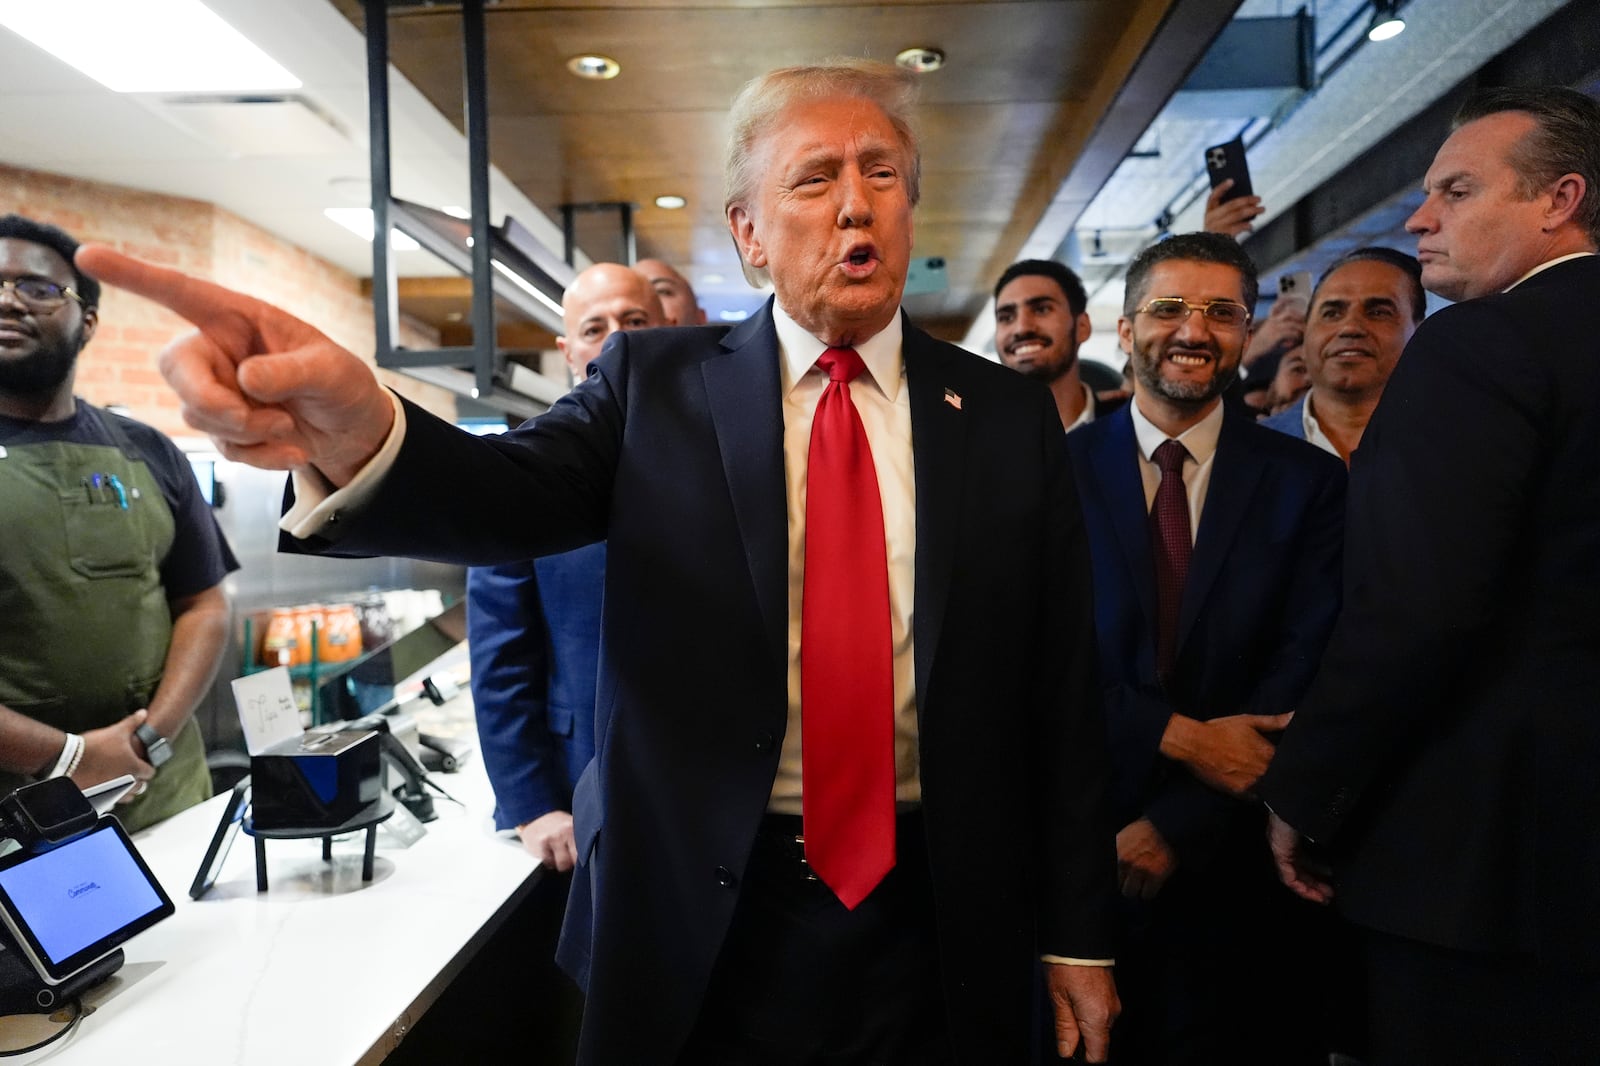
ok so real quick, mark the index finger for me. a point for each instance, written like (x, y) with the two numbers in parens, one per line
(203, 303)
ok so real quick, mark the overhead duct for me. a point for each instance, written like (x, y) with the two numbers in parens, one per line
(1256, 66)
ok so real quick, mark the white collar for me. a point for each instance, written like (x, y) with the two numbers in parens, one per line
(800, 349)
(1200, 439)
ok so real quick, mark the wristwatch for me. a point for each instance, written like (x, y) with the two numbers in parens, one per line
(156, 749)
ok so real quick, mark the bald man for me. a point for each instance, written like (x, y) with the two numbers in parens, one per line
(534, 627)
(677, 296)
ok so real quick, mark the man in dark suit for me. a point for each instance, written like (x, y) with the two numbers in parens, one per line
(533, 626)
(1446, 756)
(1216, 547)
(974, 798)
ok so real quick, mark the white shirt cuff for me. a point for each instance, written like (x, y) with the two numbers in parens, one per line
(318, 505)
(1063, 960)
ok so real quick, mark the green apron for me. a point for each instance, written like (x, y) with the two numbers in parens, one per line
(84, 619)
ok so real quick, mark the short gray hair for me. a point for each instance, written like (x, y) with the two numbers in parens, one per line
(761, 101)
(1565, 140)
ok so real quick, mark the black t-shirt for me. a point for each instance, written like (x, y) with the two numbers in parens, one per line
(200, 556)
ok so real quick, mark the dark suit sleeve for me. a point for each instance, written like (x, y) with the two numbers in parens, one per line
(538, 490)
(510, 650)
(1439, 492)
(1073, 768)
(1190, 815)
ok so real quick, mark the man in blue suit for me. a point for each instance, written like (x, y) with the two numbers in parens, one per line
(704, 926)
(1216, 550)
(533, 627)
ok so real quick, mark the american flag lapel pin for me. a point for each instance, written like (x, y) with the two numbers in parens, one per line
(953, 398)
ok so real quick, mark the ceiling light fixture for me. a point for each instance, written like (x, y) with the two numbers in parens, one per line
(595, 68)
(671, 203)
(921, 60)
(358, 220)
(1386, 20)
(152, 46)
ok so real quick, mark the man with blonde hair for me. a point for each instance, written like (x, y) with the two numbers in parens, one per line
(801, 515)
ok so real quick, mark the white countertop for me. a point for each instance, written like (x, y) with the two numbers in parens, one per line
(320, 968)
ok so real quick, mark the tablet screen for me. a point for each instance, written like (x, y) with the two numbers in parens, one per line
(73, 904)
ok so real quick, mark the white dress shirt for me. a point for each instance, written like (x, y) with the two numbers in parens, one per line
(1313, 429)
(1201, 441)
(884, 404)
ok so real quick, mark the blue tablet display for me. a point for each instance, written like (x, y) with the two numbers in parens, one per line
(72, 904)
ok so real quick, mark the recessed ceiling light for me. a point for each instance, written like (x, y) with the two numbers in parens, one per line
(733, 315)
(671, 203)
(921, 60)
(596, 68)
(712, 279)
(358, 220)
(151, 46)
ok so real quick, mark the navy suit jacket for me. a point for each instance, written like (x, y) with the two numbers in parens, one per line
(672, 452)
(1449, 751)
(1258, 604)
(533, 630)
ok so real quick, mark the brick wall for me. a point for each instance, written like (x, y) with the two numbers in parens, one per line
(119, 365)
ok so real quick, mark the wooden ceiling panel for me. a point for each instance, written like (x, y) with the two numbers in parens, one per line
(1025, 84)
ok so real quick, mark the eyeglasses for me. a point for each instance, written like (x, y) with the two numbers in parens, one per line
(41, 294)
(1172, 310)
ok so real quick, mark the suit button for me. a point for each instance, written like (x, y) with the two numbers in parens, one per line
(725, 877)
(764, 743)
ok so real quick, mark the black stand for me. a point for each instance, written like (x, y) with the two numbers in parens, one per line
(23, 991)
(366, 818)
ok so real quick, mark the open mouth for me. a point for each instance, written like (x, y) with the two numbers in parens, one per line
(1193, 359)
(1024, 349)
(861, 260)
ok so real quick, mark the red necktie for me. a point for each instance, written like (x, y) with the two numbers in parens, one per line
(846, 652)
(1169, 535)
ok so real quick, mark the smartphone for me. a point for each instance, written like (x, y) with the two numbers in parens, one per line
(1224, 161)
(1297, 283)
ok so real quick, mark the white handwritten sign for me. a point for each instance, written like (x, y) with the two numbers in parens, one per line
(266, 709)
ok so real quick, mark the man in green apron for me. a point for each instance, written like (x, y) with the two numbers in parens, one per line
(112, 613)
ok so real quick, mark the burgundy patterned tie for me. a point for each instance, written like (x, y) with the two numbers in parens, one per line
(1169, 536)
(846, 652)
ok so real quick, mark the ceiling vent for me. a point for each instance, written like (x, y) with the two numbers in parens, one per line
(259, 125)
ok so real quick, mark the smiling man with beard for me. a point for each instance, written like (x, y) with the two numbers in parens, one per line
(1040, 319)
(109, 559)
(1216, 549)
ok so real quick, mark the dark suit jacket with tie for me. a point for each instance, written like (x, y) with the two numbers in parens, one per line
(672, 451)
(533, 630)
(1260, 598)
(1449, 751)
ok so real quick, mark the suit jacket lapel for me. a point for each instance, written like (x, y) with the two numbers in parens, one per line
(1235, 470)
(938, 435)
(1114, 464)
(742, 387)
